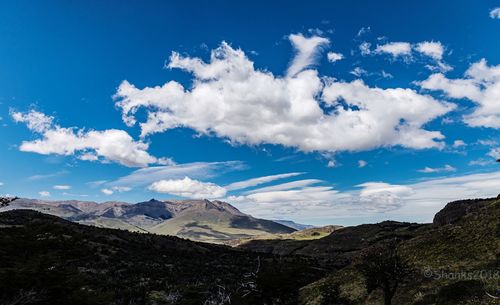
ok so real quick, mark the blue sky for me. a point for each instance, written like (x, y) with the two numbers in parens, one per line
(338, 112)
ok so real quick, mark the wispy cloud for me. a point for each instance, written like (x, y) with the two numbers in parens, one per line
(259, 180)
(47, 176)
(307, 49)
(495, 13)
(61, 187)
(372, 201)
(429, 170)
(196, 170)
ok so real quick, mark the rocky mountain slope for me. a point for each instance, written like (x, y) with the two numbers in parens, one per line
(201, 220)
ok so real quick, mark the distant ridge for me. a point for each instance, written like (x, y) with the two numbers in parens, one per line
(201, 220)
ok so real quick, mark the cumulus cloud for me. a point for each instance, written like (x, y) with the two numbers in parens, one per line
(430, 170)
(433, 49)
(362, 163)
(62, 187)
(333, 57)
(307, 49)
(480, 84)
(395, 49)
(44, 193)
(107, 145)
(36, 121)
(229, 98)
(188, 188)
(495, 13)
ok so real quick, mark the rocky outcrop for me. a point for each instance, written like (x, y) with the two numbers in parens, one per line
(456, 210)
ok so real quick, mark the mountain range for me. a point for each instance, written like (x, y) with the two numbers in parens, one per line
(201, 220)
(454, 260)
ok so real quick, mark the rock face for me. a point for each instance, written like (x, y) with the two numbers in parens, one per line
(202, 220)
(456, 210)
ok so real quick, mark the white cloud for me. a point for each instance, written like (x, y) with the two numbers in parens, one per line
(285, 199)
(358, 72)
(459, 143)
(331, 164)
(112, 190)
(481, 162)
(195, 170)
(107, 191)
(481, 84)
(429, 170)
(188, 188)
(487, 142)
(382, 197)
(96, 183)
(44, 193)
(107, 145)
(35, 120)
(362, 163)
(259, 180)
(374, 201)
(386, 74)
(373, 126)
(1, 183)
(232, 100)
(307, 49)
(298, 184)
(433, 49)
(363, 31)
(439, 67)
(395, 49)
(364, 47)
(495, 13)
(47, 176)
(333, 57)
(61, 187)
(495, 153)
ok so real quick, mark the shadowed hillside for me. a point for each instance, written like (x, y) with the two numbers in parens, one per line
(47, 260)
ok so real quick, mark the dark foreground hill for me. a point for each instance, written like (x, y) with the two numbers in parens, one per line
(47, 260)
